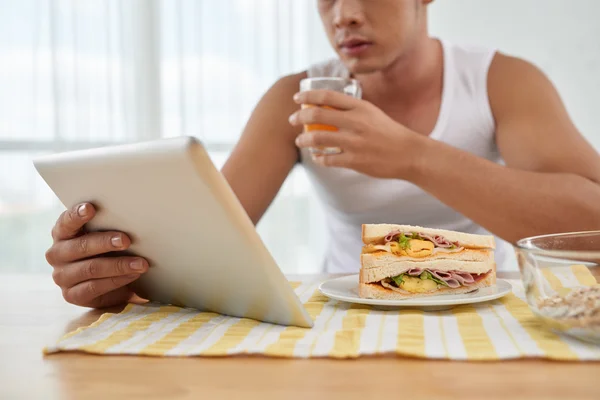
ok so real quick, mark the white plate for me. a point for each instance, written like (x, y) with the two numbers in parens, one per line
(346, 289)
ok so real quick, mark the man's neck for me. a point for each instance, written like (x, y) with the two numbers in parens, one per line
(411, 75)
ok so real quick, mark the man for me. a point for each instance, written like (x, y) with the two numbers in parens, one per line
(425, 146)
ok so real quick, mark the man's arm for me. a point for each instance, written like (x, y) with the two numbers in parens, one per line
(265, 153)
(533, 130)
(551, 179)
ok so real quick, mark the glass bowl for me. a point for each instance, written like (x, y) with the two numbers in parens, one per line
(560, 273)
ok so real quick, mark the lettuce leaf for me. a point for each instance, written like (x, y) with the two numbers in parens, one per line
(428, 275)
(439, 281)
(403, 241)
(398, 279)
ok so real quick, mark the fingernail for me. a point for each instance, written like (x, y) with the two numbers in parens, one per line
(132, 276)
(297, 97)
(82, 210)
(117, 241)
(137, 265)
(316, 159)
(292, 118)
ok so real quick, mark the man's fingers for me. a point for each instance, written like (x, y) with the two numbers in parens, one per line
(341, 160)
(71, 221)
(88, 245)
(322, 116)
(117, 297)
(86, 292)
(97, 268)
(323, 139)
(329, 98)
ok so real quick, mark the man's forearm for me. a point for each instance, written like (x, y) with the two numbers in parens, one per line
(508, 202)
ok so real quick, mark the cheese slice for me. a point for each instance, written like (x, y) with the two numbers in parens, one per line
(417, 248)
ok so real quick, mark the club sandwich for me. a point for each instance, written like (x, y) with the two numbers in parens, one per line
(403, 261)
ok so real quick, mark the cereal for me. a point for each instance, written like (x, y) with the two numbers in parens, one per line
(580, 307)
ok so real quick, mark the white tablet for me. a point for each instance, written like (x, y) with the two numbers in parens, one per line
(182, 216)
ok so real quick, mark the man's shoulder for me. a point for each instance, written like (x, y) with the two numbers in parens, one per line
(278, 99)
(506, 65)
(514, 74)
(292, 79)
(326, 68)
(287, 85)
(516, 85)
(330, 67)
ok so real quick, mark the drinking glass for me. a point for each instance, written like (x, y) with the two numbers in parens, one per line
(350, 87)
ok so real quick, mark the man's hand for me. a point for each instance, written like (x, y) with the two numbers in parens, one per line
(372, 143)
(83, 270)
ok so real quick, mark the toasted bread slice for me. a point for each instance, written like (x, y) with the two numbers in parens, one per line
(375, 233)
(377, 291)
(378, 266)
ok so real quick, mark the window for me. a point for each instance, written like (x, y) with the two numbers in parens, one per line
(79, 74)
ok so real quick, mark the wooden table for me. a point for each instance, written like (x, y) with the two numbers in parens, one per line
(34, 314)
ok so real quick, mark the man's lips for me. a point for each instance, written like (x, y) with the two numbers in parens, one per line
(354, 46)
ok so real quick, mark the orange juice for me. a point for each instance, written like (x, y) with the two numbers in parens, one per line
(318, 127)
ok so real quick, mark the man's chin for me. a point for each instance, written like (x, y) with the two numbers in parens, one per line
(358, 66)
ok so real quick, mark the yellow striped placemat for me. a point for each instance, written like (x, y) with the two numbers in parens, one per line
(500, 329)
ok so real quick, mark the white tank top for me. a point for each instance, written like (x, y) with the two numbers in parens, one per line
(350, 198)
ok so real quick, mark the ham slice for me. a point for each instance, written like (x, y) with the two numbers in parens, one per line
(441, 275)
(446, 277)
(439, 241)
(453, 283)
(415, 271)
(464, 278)
(390, 236)
(453, 279)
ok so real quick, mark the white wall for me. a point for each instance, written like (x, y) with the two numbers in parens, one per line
(560, 37)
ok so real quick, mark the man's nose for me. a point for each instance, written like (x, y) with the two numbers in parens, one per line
(348, 13)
